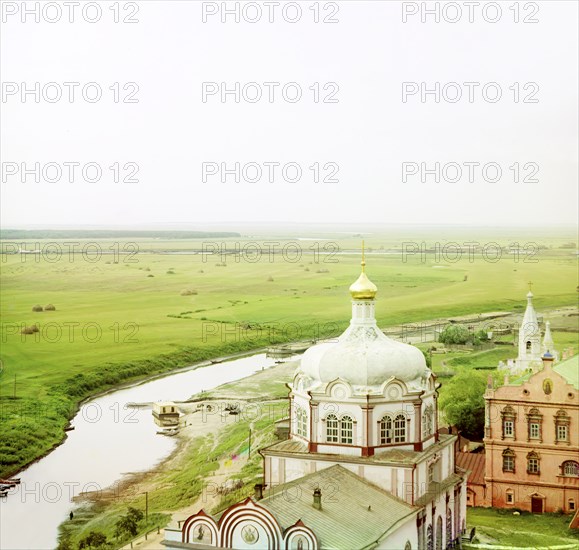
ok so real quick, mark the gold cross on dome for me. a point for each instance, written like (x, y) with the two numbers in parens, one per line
(363, 257)
(530, 283)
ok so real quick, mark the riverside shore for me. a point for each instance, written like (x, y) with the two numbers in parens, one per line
(214, 440)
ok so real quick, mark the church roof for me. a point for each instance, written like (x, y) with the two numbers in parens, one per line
(569, 369)
(475, 462)
(355, 513)
(392, 456)
(530, 322)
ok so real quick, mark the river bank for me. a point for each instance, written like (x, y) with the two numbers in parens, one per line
(212, 447)
(52, 418)
(111, 438)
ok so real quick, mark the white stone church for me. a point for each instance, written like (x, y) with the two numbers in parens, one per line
(531, 351)
(364, 466)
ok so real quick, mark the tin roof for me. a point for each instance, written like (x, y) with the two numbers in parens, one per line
(569, 369)
(475, 462)
(355, 513)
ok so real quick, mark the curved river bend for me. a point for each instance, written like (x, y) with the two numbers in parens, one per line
(108, 441)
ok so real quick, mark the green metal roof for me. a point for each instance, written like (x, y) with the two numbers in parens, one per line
(518, 381)
(355, 513)
(569, 369)
(396, 457)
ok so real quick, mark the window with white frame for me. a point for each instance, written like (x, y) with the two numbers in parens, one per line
(533, 463)
(346, 430)
(508, 460)
(562, 422)
(301, 422)
(400, 429)
(508, 417)
(508, 426)
(570, 468)
(534, 420)
(427, 422)
(331, 428)
(386, 430)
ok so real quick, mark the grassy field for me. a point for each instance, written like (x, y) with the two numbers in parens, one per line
(124, 317)
(501, 527)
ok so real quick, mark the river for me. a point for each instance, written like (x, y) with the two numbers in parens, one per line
(109, 440)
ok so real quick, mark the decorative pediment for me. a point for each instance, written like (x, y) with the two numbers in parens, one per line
(394, 389)
(339, 389)
(200, 528)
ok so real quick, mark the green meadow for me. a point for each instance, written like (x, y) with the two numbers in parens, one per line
(124, 317)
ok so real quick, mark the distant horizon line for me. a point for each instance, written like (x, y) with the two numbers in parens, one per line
(337, 226)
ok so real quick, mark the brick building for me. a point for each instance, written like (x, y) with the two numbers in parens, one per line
(532, 440)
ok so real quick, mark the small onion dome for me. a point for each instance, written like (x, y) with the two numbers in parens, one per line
(547, 355)
(363, 288)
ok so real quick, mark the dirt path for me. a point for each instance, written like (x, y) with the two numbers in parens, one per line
(206, 502)
(195, 424)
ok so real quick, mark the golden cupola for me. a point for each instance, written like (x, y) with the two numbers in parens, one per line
(363, 288)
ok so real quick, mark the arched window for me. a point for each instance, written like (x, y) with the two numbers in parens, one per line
(562, 422)
(427, 422)
(570, 468)
(528, 345)
(533, 463)
(429, 541)
(448, 527)
(331, 428)
(408, 546)
(386, 430)
(400, 429)
(439, 533)
(346, 430)
(301, 422)
(508, 419)
(508, 460)
(571, 505)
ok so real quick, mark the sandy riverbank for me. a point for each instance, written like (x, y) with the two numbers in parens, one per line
(257, 395)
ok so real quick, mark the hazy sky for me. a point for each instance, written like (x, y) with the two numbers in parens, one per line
(367, 133)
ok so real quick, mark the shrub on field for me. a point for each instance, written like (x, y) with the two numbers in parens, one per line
(270, 279)
(150, 275)
(188, 292)
(37, 308)
(455, 334)
(35, 328)
(94, 539)
(27, 330)
(49, 307)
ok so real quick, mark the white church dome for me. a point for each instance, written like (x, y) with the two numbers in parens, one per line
(363, 355)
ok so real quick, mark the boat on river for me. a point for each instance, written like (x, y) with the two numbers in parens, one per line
(169, 431)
